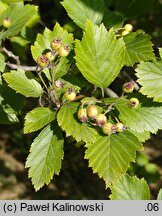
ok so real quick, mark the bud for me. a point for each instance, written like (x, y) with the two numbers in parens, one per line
(43, 61)
(124, 33)
(56, 44)
(133, 103)
(70, 95)
(92, 111)
(101, 120)
(50, 56)
(64, 51)
(120, 127)
(128, 87)
(6, 22)
(82, 115)
(109, 128)
(128, 27)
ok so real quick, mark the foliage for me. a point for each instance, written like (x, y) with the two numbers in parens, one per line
(66, 69)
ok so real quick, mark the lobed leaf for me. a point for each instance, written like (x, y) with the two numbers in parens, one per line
(45, 156)
(38, 118)
(140, 119)
(68, 121)
(110, 156)
(99, 56)
(24, 83)
(19, 15)
(159, 195)
(130, 188)
(138, 48)
(150, 78)
(81, 10)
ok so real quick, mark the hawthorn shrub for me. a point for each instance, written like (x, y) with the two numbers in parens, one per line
(71, 81)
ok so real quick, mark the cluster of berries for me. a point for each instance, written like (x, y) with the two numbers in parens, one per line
(128, 88)
(92, 115)
(126, 29)
(57, 49)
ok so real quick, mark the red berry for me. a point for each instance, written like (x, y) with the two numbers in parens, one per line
(64, 51)
(82, 115)
(50, 56)
(92, 111)
(133, 103)
(70, 95)
(56, 44)
(128, 87)
(101, 120)
(43, 61)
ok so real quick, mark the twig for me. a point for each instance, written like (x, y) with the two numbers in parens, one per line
(10, 54)
(110, 93)
(23, 67)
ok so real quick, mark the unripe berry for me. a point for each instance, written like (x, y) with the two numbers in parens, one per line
(56, 44)
(64, 51)
(50, 56)
(109, 128)
(124, 33)
(128, 27)
(82, 115)
(70, 95)
(92, 111)
(120, 127)
(101, 120)
(6, 22)
(42, 61)
(128, 87)
(133, 103)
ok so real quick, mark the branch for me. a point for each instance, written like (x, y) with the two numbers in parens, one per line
(23, 67)
(10, 54)
(110, 93)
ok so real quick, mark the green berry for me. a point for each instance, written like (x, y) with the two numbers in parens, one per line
(56, 44)
(50, 56)
(82, 115)
(124, 33)
(128, 27)
(101, 120)
(109, 128)
(92, 111)
(133, 103)
(6, 22)
(64, 51)
(128, 87)
(43, 61)
(120, 127)
(70, 95)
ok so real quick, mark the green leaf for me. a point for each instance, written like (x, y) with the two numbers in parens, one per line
(142, 136)
(9, 108)
(138, 48)
(130, 188)
(24, 83)
(45, 156)
(61, 68)
(38, 118)
(81, 10)
(99, 56)
(110, 156)
(2, 62)
(19, 15)
(43, 42)
(3, 6)
(150, 78)
(140, 119)
(159, 195)
(113, 19)
(11, 1)
(68, 121)
(160, 52)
